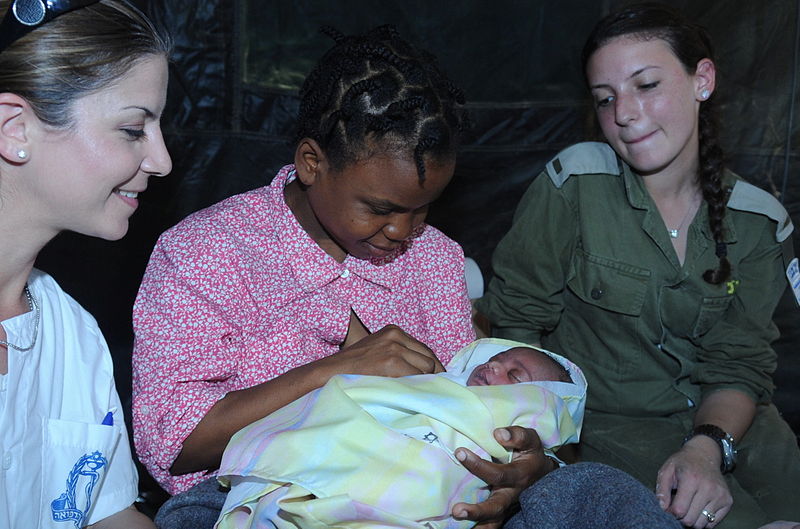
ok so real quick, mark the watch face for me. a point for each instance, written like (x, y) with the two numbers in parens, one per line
(728, 453)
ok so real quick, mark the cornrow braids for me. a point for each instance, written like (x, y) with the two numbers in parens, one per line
(377, 91)
(690, 43)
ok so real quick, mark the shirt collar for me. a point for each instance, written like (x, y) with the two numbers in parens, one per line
(640, 199)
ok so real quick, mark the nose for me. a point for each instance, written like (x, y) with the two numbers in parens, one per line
(399, 227)
(157, 162)
(498, 371)
(625, 110)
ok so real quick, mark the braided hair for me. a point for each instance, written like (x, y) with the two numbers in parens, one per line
(377, 91)
(690, 43)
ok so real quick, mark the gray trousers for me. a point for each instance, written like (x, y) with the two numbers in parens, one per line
(579, 496)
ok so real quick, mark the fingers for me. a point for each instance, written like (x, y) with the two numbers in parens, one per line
(527, 465)
(489, 513)
(702, 498)
(709, 517)
(518, 438)
(412, 351)
(506, 480)
(492, 473)
(666, 482)
(388, 352)
(424, 359)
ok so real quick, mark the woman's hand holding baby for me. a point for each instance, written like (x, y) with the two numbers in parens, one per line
(389, 352)
(507, 481)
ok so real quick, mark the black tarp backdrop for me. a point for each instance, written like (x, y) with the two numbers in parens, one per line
(232, 101)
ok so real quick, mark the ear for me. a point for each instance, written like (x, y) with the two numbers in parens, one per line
(705, 76)
(309, 161)
(14, 114)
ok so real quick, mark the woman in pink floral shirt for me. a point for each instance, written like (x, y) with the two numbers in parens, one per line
(254, 302)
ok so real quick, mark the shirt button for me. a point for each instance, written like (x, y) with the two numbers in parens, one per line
(345, 273)
(596, 293)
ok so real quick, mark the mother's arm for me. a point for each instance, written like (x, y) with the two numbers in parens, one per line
(389, 352)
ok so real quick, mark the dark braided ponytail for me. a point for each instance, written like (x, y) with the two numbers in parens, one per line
(710, 177)
(377, 91)
(690, 43)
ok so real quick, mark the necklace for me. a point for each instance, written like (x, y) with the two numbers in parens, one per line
(35, 308)
(674, 233)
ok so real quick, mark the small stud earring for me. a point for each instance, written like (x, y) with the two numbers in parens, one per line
(705, 94)
(22, 154)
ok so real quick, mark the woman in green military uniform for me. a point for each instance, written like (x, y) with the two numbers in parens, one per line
(657, 271)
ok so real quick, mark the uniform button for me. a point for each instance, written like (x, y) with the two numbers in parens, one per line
(596, 293)
(6, 461)
(345, 273)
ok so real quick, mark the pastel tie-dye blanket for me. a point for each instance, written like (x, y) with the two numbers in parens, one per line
(366, 451)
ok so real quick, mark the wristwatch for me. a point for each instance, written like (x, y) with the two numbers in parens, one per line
(723, 439)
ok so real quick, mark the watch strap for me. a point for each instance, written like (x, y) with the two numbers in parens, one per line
(726, 443)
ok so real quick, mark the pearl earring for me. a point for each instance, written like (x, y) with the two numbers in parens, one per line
(705, 94)
(22, 154)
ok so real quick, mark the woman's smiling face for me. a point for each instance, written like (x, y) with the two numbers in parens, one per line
(647, 104)
(88, 177)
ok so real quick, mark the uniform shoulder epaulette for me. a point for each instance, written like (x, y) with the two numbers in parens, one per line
(747, 197)
(590, 157)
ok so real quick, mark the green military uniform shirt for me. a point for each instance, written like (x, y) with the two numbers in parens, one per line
(588, 270)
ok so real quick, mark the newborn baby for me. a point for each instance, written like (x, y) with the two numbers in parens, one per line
(365, 451)
(516, 365)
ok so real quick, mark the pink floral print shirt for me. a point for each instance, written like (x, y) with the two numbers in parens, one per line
(238, 294)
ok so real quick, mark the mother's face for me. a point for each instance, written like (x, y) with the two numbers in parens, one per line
(648, 104)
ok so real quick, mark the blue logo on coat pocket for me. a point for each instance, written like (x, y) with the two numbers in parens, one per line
(74, 504)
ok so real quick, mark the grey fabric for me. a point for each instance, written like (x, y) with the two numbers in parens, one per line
(589, 496)
(197, 508)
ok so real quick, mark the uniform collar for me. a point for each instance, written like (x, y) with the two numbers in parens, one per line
(639, 198)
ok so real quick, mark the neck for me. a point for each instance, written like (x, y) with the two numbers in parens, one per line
(297, 201)
(20, 242)
(672, 184)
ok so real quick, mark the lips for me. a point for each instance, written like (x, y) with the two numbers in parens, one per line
(638, 139)
(380, 251)
(128, 196)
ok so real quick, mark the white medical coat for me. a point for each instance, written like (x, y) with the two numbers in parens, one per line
(60, 467)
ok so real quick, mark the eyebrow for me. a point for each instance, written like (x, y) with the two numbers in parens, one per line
(631, 76)
(147, 112)
(522, 367)
(387, 204)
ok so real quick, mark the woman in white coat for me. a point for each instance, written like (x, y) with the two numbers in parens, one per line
(82, 87)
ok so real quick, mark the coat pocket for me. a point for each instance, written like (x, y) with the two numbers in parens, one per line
(608, 284)
(711, 311)
(75, 457)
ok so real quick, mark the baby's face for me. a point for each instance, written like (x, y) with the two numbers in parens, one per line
(519, 364)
